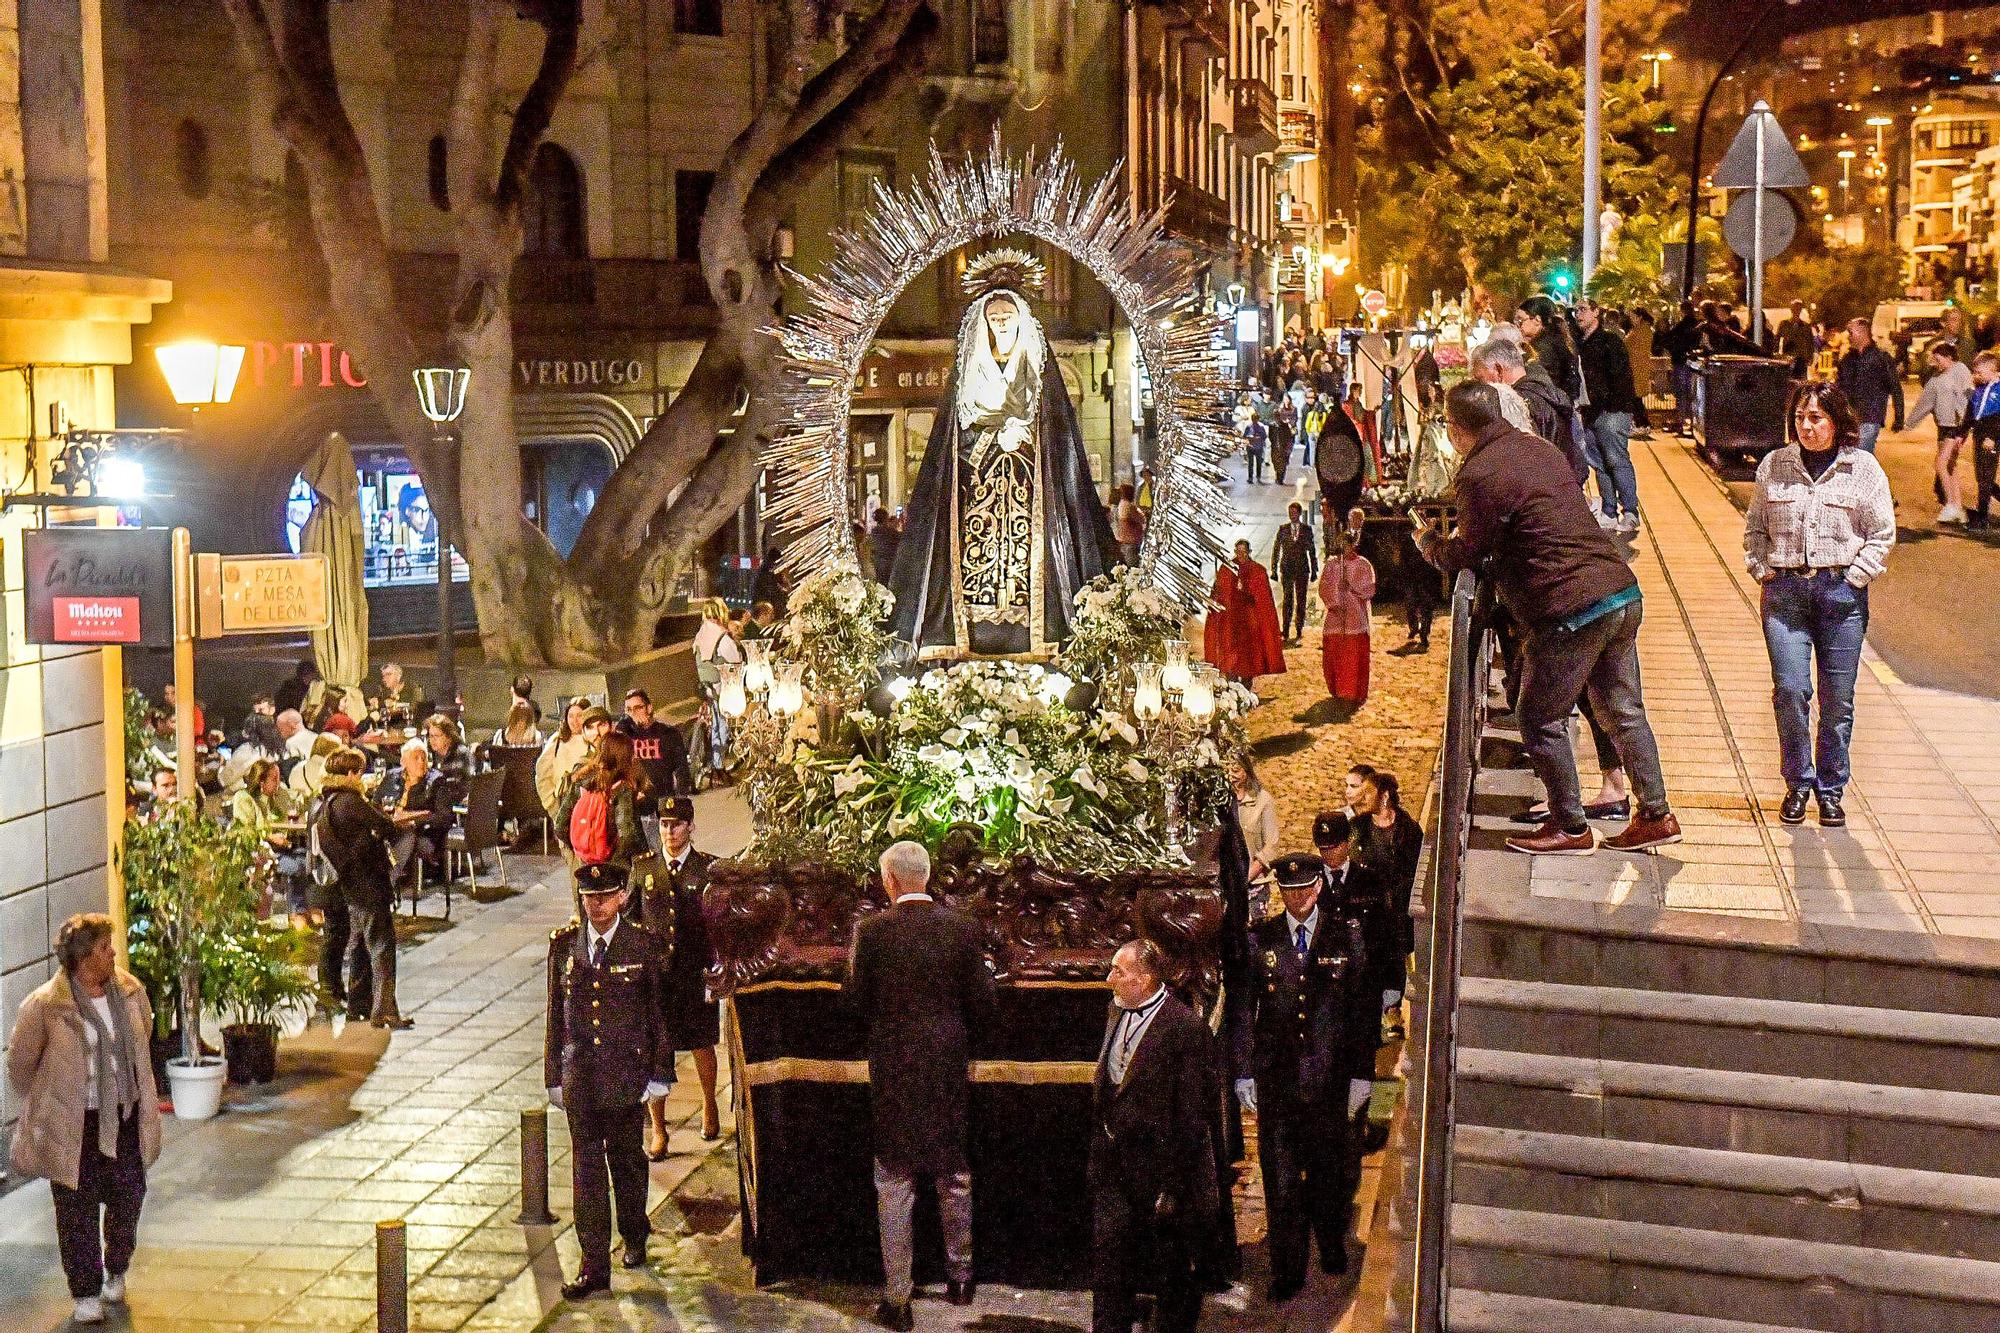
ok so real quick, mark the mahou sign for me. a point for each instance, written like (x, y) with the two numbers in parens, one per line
(99, 585)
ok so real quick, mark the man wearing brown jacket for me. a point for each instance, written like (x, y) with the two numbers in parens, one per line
(1578, 608)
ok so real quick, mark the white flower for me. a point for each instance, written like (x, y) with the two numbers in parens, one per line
(953, 736)
(1126, 731)
(899, 824)
(1060, 805)
(1087, 780)
(966, 789)
(1135, 770)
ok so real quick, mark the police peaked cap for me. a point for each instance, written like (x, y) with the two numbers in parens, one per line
(1331, 829)
(1299, 870)
(600, 878)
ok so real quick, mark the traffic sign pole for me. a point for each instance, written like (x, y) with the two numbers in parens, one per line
(1757, 248)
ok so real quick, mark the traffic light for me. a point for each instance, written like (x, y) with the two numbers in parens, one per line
(1562, 281)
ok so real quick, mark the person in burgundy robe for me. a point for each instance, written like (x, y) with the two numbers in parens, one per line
(1242, 637)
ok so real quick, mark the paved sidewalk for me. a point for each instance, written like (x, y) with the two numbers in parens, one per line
(264, 1216)
(1922, 847)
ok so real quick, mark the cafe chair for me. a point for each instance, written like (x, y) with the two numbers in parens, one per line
(478, 833)
(519, 801)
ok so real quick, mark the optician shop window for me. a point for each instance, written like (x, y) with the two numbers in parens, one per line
(398, 530)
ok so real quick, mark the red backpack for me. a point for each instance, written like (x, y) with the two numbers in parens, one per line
(590, 826)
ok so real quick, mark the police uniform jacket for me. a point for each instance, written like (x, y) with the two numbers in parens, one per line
(918, 980)
(606, 1037)
(1297, 1021)
(1151, 1133)
(670, 907)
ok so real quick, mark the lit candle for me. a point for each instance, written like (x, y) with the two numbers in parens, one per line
(1146, 698)
(756, 666)
(788, 693)
(1199, 696)
(1174, 675)
(730, 696)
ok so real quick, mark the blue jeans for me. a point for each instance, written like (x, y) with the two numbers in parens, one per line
(1558, 667)
(1611, 460)
(1869, 430)
(1806, 617)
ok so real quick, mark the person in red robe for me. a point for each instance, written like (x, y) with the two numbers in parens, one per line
(1345, 588)
(1242, 637)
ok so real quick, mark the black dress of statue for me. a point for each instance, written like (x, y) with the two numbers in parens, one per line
(1004, 525)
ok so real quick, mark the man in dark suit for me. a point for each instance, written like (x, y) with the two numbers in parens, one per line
(1294, 562)
(1294, 1024)
(606, 1054)
(668, 885)
(918, 981)
(1154, 1195)
(1357, 895)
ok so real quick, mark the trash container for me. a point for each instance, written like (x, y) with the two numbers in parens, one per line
(1739, 406)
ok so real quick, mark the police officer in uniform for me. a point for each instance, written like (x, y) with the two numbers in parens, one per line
(1354, 892)
(605, 1056)
(667, 888)
(1294, 1031)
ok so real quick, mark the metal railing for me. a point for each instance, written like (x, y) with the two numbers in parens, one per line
(1465, 706)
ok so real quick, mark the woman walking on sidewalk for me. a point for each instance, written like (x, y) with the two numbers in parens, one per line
(89, 1114)
(1819, 530)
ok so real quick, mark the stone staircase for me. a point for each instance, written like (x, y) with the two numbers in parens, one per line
(1671, 1122)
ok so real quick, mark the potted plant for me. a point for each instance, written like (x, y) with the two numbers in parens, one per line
(250, 980)
(199, 881)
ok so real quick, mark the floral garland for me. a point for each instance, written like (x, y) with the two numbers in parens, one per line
(837, 627)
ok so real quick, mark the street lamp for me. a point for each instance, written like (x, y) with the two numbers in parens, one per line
(1657, 59)
(200, 373)
(1878, 124)
(441, 396)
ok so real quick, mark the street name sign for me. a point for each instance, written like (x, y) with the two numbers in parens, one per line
(261, 594)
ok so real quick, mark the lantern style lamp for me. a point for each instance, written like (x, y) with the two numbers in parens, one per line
(1147, 698)
(756, 666)
(1174, 674)
(730, 696)
(441, 392)
(1198, 699)
(200, 373)
(788, 691)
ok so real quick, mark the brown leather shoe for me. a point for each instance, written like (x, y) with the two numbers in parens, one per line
(1551, 840)
(1643, 833)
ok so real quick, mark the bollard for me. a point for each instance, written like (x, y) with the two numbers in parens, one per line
(535, 1168)
(392, 1278)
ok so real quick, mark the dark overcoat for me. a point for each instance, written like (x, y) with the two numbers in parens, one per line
(1152, 1135)
(919, 983)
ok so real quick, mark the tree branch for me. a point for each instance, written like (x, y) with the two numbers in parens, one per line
(560, 21)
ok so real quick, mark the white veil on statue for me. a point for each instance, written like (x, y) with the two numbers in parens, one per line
(984, 384)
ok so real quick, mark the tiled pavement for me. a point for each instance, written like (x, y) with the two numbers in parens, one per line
(1922, 847)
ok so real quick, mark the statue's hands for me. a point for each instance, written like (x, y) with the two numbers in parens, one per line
(1013, 436)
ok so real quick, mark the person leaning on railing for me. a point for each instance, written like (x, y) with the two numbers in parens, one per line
(1521, 515)
(1819, 531)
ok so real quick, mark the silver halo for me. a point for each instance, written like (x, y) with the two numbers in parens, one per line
(1149, 275)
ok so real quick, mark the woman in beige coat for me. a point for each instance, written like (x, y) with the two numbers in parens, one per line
(80, 1061)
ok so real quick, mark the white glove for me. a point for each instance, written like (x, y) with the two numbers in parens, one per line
(1246, 1093)
(555, 1097)
(655, 1090)
(1358, 1092)
(1013, 435)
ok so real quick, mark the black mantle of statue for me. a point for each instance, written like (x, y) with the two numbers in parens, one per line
(1077, 542)
(799, 1068)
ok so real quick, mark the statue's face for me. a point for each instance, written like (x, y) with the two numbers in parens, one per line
(1002, 318)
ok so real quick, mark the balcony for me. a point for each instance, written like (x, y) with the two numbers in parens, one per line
(1255, 124)
(1196, 216)
(1298, 133)
(1203, 24)
(1294, 215)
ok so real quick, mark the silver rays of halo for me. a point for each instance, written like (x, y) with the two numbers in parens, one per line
(1151, 276)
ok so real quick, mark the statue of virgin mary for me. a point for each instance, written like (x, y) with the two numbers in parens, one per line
(1004, 525)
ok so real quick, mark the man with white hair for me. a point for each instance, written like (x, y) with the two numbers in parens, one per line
(919, 983)
(1503, 363)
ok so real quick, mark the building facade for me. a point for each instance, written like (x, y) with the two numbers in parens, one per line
(66, 319)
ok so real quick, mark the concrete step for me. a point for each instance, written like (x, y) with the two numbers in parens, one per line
(1499, 1312)
(1826, 1119)
(1522, 938)
(1805, 1198)
(1686, 1271)
(1867, 1044)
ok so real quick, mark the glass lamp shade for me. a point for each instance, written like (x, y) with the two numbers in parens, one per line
(730, 695)
(1198, 699)
(788, 691)
(200, 373)
(1147, 697)
(756, 666)
(1174, 674)
(441, 392)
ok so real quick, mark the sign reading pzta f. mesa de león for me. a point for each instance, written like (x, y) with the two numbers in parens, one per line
(257, 594)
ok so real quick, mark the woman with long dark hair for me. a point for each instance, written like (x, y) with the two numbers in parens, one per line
(599, 818)
(1819, 531)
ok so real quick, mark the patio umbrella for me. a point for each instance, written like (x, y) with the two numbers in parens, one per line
(334, 530)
